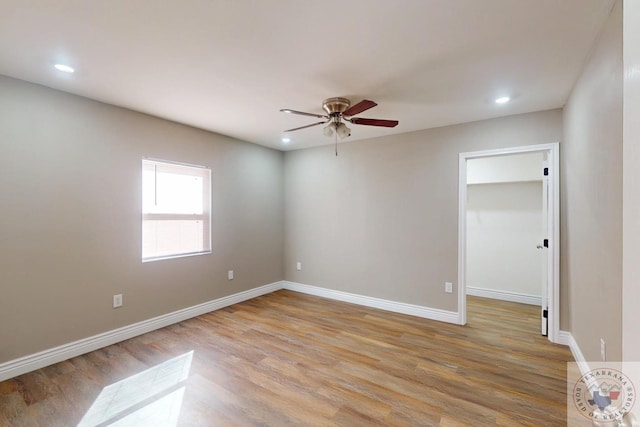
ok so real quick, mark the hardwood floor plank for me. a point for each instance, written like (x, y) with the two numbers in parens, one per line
(292, 359)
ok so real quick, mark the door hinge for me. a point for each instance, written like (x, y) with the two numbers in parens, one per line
(545, 313)
(546, 171)
(545, 243)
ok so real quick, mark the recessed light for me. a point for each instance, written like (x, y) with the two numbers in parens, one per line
(286, 140)
(64, 68)
(503, 100)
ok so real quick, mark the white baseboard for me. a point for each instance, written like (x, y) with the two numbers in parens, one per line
(505, 295)
(39, 360)
(397, 307)
(567, 338)
(564, 338)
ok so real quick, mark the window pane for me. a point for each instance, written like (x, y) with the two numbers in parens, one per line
(172, 237)
(172, 194)
(166, 192)
(148, 190)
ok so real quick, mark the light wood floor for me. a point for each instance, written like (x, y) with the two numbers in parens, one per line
(292, 359)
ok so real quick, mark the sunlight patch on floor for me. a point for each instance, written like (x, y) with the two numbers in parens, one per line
(151, 396)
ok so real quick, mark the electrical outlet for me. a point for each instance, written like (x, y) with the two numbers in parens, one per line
(603, 350)
(230, 274)
(117, 301)
(448, 287)
(298, 266)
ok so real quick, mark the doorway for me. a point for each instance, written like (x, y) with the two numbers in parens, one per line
(492, 167)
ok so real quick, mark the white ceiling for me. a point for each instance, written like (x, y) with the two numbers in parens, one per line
(229, 66)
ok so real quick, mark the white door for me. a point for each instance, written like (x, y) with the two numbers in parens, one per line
(544, 247)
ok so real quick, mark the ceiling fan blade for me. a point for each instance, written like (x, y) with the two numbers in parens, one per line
(302, 113)
(374, 122)
(361, 106)
(307, 126)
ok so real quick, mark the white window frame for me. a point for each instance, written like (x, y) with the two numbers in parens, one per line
(205, 217)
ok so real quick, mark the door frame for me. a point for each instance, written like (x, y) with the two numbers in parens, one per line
(553, 259)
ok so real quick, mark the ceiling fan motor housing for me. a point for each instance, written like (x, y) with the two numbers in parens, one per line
(335, 106)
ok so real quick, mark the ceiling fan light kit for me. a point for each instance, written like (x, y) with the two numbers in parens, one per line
(329, 129)
(339, 110)
(343, 131)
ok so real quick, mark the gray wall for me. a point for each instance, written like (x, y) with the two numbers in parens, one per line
(70, 218)
(591, 223)
(381, 218)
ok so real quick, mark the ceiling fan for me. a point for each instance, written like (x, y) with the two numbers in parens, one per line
(340, 110)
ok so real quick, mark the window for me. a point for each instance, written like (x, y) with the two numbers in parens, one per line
(176, 210)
